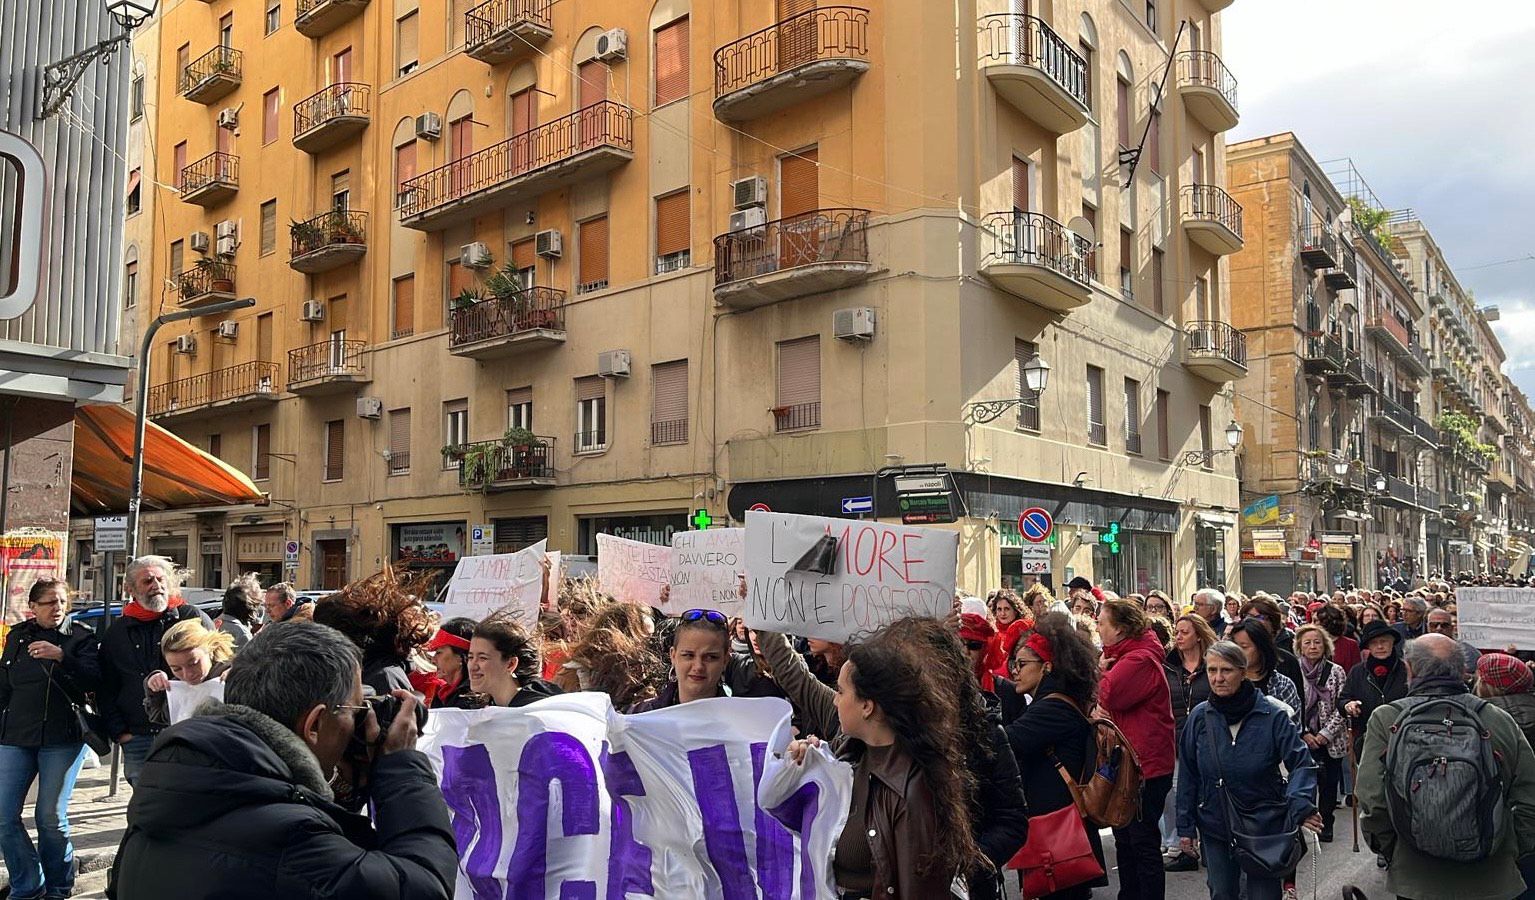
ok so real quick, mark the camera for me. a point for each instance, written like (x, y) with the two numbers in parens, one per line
(387, 706)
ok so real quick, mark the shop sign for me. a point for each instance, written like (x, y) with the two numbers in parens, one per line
(1268, 544)
(1337, 546)
(265, 546)
(645, 529)
(482, 540)
(429, 542)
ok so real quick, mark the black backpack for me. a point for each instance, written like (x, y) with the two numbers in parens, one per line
(1444, 791)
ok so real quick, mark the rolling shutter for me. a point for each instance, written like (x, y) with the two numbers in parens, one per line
(404, 307)
(1020, 185)
(335, 447)
(1028, 412)
(407, 50)
(672, 223)
(799, 371)
(268, 226)
(519, 396)
(1164, 442)
(1122, 112)
(1095, 422)
(404, 165)
(799, 186)
(522, 111)
(593, 82)
(594, 251)
(399, 439)
(797, 38)
(672, 62)
(522, 254)
(590, 388)
(262, 439)
(669, 382)
(269, 107)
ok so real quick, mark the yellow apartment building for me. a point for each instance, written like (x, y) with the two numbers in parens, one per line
(567, 269)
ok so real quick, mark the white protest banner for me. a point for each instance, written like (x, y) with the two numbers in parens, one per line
(482, 585)
(1491, 618)
(706, 570)
(879, 573)
(661, 804)
(633, 571)
(182, 699)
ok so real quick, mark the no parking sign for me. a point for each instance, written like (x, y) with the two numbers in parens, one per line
(1035, 525)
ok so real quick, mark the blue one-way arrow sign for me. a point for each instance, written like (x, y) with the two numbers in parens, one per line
(852, 506)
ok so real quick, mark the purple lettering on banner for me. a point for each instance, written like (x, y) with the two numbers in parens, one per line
(723, 837)
(798, 815)
(469, 787)
(775, 847)
(578, 890)
(551, 756)
(628, 859)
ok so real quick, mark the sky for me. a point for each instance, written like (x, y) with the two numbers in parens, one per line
(1435, 108)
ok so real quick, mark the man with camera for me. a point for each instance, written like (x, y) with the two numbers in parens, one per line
(236, 802)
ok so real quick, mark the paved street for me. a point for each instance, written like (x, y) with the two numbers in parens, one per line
(97, 821)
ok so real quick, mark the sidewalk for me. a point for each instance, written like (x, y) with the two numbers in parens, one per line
(96, 824)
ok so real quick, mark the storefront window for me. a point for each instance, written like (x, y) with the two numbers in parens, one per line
(1141, 565)
(1151, 568)
(1210, 557)
(653, 529)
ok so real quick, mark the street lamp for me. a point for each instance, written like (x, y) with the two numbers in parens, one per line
(1203, 457)
(60, 78)
(1036, 376)
(1340, 467)
(1380, 483)
(130, 14)
(1233, 434)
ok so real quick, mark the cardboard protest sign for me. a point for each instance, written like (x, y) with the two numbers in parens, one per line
(1491, 618)
(567, 798)
(633, 571)
(706, 570)
(877, 573)
(182, 699)
(482, 585)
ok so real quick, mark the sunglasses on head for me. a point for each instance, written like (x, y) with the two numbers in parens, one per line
(712, 616)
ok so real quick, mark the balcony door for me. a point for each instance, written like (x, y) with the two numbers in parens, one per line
(460, 146)
(341, 67)
(520, 109)
(224, 142)
(799, 194)
(796, 38)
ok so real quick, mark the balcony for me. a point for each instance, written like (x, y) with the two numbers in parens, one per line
(1209, 91)
(1212, 219)
(497, 327)
(1341, 276)
(806, 55)
(1389, 415)
(1215, 351)
(1385, 328)
(1349, 376)
(797, 417)
(819, 251)
(212, 76)
(211, 180)
(1322, 355)
(1406, 495)
(209, 281)
(332, 367)
(1215, 6)
(498, 466)
(237, 387)
(1317, 244)
(317, 18)
(589, 142)
(328, 241)
(1032, 256)
(331, 116)
(1036, 71)
(503, 30)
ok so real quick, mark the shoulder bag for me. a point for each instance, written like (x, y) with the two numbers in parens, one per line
(1259, 855)
(1058, 854)
(92, 729)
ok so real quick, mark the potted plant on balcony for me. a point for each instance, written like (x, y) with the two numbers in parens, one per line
(306, 235)
(466, 298)
(478, 467)
(453, 453)
(340, 229)
(207, 275)
(521, 445)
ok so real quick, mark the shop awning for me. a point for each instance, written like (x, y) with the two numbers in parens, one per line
(177, 475)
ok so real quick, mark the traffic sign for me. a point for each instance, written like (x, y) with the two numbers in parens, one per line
(852, 506)
(1035, 525)
(290, 553)
(760, 507)
(1035, 558)
(482, 540)
(111, 534)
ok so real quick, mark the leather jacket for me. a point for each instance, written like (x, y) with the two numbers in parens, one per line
(902, 822)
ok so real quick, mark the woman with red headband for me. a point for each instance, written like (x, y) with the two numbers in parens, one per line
(448, 686)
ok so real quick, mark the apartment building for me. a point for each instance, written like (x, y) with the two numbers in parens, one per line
(570, 269)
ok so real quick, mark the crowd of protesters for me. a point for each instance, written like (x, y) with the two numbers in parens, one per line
(1264, 711)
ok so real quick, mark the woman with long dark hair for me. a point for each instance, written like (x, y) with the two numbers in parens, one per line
(504, 664)
(381, 615)
(1262, 665)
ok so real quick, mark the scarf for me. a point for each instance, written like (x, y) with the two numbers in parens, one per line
(133, 610)
(1380, 670)
(1319, 696)
(1236, 707)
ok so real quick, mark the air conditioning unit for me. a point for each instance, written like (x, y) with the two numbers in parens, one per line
(229, 328)
(314, 311)
(199, 241)
(613, 364)
(854, 324)
(229, 118)
(749, 192)
(548, 244)
(474, 256)
(612, 44)
(228, 228)
(429, 126)
(186, 344)
(752, 217)
(370, 408)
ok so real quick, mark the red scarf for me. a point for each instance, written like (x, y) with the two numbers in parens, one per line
(134, 611)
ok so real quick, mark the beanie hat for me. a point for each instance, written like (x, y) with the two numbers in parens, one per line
(975, 628)
(1506, 673)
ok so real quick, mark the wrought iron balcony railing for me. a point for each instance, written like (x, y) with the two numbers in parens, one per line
(1217, 339)
(816, 35)
(489, 21)
(535, 308)
(1209, 203)
(1035, 239)
(210, 276)
(247, 380)
(327, 359)
(1202, 67)
(331, 103)
(333, 228)
(220, 61)
(215, 168)
(487, 463)
(1020, 40)
(819, 236)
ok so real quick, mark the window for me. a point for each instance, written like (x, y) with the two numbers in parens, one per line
(178, 257)
(227, 30)
(1122, 110)
(261, 452)
(455, 428)
(1097, 428)
(178, 162)
(669, 403)
(525, 261)
(130, 283)
(1091, 215)
(341, 190)
(1132, 416)
(407, 37)
(1164, 433)
(1127, 264)
(673, 225)
(1151, 15)
(404, 170)
(1020, 185)
(1157, 262)
(399, 441)
(216, 445)
(594, 255)
(1028, 411)
(136, 99)
(519, 408)
(591, 414)
(460, 279)
(402, 313)
(1154, 141)
(273, 17)
(135, 191)
(1205, 436)
(592, 82)
(335, 448)
(799, 384)
(269, 227)
(671, 62)
(269, 116)
(1085, 50)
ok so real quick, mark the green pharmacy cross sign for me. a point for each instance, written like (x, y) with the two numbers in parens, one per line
(1110, 536)
(702, 519)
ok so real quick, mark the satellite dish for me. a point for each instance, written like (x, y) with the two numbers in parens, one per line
(1082, 229)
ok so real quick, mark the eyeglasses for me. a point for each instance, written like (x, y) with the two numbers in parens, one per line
(1440, 626)
(1017, 663)
(53, 602)
(359, 713)
(712, 616)
(975, 645)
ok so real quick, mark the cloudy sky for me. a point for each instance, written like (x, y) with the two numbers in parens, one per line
(1436, 110)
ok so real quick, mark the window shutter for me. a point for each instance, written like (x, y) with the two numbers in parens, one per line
(590, 388)
(461, 137)
(672, 223)
(1154, 142)
(1156, 280)
(522, 111)
(263, 448)
(518, 397)
(269, 226)
(269, 116)
(179, 162)
(1028, 413)
(594, 251)
(593, 86)
(460, 279)
(1133, 413)
(404, 165)
(522, 254)
(404, 306)
(1095, 420)
(787, 8)
(799, 371)
(799, 187)
(335, 448)
(669, 382)
(178, 256)
(406, 50)
(216, 445)
(672, 62)
(399, 439)
(1164, 437)
(1204, 429)
(1020, 185)
(1122, 99)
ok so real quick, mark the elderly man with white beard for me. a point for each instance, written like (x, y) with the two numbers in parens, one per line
(130, 651)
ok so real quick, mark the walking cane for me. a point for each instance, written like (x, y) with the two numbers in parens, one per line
(1353, 774)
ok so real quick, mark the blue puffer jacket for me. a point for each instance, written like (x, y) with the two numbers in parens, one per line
(1265, 739)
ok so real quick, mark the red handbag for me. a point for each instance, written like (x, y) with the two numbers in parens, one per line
(1058, 854)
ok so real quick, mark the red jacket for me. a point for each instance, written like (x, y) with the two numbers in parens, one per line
(1133, 691)
(1345, 652)
(1005, 642)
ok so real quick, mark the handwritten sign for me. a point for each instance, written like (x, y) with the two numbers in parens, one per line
(706, 570)
(1492, 618)
(510, 582)
(879, 573)
(633, 571)
(182, 699)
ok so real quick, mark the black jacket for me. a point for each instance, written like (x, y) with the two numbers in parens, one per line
(232, 805)
(1359, 686)
(534, 691)
(1000, 819)
(34, 708)
(1289, 667)
(1052, 724)
(130, 650)
(1188, 689)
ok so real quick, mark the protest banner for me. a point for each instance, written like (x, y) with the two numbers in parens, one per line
(1491, 618)
(182, 699)
(877, 573)
(706, 571)
(633, 571)
(482, 585)
(661, 804)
